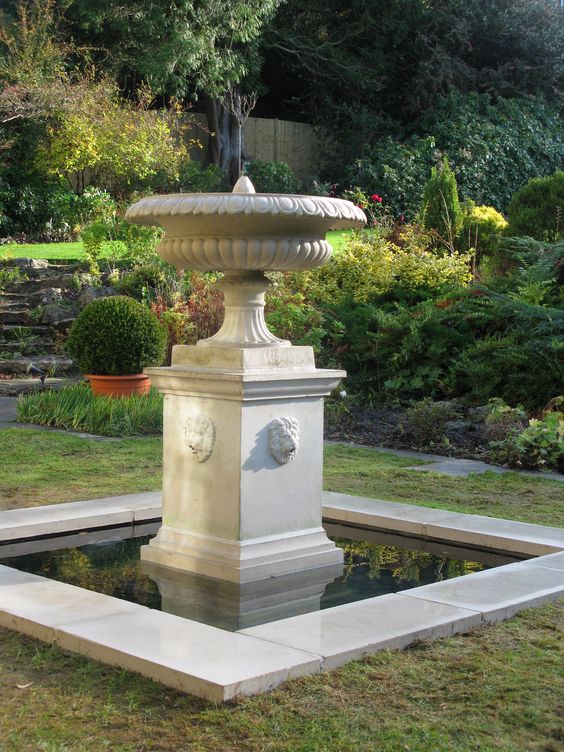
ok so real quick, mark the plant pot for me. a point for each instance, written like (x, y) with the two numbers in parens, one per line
(119, 386)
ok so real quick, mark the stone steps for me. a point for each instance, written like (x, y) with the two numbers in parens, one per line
(35, 312)
(51, 364)
(63, 281)
(28, 346)
(10, 331)
(14, 316)
(7, 298)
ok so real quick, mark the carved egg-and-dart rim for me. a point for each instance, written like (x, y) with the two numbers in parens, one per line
(151, 209)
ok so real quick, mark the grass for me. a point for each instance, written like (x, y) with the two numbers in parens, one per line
(47, 468)
(76, 408)
(495, 690)
(75, 251)
(513, 496)
(49, 251)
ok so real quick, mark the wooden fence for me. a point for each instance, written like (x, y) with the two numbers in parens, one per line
(270, 140)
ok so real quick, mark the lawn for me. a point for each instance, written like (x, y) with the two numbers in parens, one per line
(496, 689)
(46, 468)
(49, 251)
(75, 251)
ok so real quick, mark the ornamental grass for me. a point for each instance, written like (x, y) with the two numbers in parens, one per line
(75, 408)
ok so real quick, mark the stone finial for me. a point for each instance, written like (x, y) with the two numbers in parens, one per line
(244, 185)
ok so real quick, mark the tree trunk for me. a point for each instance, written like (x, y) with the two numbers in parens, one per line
(223, 142)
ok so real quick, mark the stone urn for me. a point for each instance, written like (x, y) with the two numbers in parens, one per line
(243, 409)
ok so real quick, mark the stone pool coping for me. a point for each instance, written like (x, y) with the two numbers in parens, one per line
(218, 665)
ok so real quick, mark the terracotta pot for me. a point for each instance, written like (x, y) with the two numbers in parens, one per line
(119, 386)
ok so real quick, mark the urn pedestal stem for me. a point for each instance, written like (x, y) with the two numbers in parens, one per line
(244, 324)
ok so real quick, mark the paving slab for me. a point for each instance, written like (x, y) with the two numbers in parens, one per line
(458, 468)
(506, 535)
(189, 656)
(496, 593)
(218, 665)
(73, 540)
(553, 561)
(385, 515)
(36, 605)
(60, 518)
(388, 622)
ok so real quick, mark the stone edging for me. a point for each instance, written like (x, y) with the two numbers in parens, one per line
(219, 665)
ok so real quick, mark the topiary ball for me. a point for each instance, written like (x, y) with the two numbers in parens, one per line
(116, 336)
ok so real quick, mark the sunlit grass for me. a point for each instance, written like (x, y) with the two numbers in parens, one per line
(49, 251)
(43, 467)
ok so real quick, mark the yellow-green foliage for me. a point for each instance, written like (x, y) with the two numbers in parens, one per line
(482, 228)
(373, 265)
(121, 143)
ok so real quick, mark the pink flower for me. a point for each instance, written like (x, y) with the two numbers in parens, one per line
(376, 198)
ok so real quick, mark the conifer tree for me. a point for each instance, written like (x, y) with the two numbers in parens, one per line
(441, 211)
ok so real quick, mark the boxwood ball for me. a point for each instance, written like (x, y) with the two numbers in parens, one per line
(116, 336)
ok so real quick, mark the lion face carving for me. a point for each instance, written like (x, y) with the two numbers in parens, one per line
(284, 439)
(200, 436)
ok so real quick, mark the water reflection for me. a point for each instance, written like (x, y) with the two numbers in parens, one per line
(233, 606)
(108, 562)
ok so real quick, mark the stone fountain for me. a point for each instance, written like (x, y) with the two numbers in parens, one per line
(243, 410)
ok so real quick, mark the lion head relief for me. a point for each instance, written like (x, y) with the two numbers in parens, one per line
(284, 439)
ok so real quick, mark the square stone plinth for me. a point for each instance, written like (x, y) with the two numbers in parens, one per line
(242, 466)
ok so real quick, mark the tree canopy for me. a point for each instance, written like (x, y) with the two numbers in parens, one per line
(184, 48)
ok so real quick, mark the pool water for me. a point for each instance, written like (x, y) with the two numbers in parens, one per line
(375, 564)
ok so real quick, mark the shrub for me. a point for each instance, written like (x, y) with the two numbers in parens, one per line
(534, 270)
(290, 317)
(143, 283)
(482, 227)
(372, 206)
(477, 344)
(272, 177)
(116, 336)
(540, 446)
(114, 237)
(495, 145)
(424, 424)
(396, 171)
(195, 178)
(10, 276)
(124, 145)
(372, 265)
(502, 420)
(77, 409)
(537, 209)
(506, 367)
(199, 317)
(94, 204)
(440, 209)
